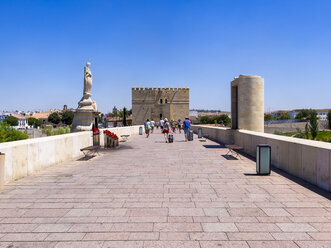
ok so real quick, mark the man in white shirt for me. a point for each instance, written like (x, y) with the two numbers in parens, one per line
(152, 125)
(161, 124)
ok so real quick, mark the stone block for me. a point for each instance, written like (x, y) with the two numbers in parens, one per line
(2, 170)
(295, 160)
(309, 163)
(32, 161)
(323, 169)
(283, 155)
(20, 168)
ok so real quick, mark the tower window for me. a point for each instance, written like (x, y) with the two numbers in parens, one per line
(166, 101)
(161, 101)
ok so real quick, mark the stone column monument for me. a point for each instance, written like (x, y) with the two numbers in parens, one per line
(247, 103)
(87, 109)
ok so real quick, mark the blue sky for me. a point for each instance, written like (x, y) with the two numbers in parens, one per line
(44, 46)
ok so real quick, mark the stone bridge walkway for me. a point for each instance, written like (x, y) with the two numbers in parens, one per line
(151, 194)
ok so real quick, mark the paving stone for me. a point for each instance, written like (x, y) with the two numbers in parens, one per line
(52, 228)
(80, 244)
(314, 244)
(258, 227)
(24, 237)
(291, 236)
(107, 236)
(174, 236)
(219, 227)
(223, 244)
(249, 236)
(272, 244)
(296, 227)
(65, 236)
(126, 244)
(208, 236)
(39, 244)
(171, 244)
(186, 212)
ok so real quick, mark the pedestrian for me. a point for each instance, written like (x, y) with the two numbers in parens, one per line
(173, 126)
(152, 125)
(179, 126)
(157, 125)
(166, 129)
(187, 125)
(148, 128)
(161, 124)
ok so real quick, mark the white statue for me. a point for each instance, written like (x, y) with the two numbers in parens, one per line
(86, 102)
(87, 110)
(87, 79)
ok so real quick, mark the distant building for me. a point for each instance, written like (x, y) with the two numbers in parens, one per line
(194, 113)
(22, 120)
(322, 114)
(43, 116)
(159, 103)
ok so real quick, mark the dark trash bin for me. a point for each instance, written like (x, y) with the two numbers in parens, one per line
(263, 159)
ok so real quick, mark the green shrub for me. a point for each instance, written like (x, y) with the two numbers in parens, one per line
(12, 121)
(49, 131)
(54, 118)
(34, 122)
(67, 117)
(9, 134)
(284, 116)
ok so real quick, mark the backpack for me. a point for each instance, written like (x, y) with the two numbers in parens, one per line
(186, 124)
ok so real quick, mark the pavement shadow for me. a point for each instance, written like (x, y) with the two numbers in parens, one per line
(86, 158)
(303, 183)
(229, 157)
(212, 146)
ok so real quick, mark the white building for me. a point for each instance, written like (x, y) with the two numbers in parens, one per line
(322, 114)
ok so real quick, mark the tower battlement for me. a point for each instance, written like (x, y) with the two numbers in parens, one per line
(159, 88)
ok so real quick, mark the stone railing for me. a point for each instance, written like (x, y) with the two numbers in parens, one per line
(24, 157)
(306, 159)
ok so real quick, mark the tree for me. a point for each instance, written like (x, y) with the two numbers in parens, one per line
(54, 118)
(306, 131)
(67, 117)
(34, 122)
(284, 116)
(329, 118)
(304, 114)
(313, 125)
(206, 120)
(10, 134)
(268, 117)
(225, 119)
(124, 116)
(12, 121)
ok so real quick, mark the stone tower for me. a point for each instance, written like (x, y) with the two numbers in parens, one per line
(247, 103)
(158, 103)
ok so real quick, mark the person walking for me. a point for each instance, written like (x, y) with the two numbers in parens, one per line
(179, 126)
(148, 128)
(161, 124)
(152, 125)
(187, 125)
(173, 126)
(166, 129)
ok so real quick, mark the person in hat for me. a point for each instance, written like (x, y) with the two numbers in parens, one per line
(186, 125)
(166, 128)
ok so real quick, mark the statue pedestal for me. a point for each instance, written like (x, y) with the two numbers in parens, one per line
(83, 120)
